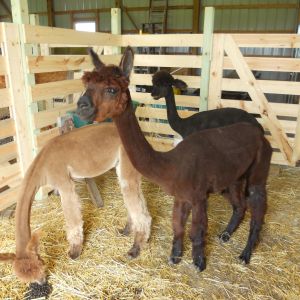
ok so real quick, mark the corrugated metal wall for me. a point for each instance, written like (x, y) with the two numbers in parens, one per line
(263, 19)
(230, 19)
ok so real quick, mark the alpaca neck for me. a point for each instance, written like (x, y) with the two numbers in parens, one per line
(144, 158)
(172, 113)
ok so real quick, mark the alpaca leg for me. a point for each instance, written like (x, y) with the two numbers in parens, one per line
(181, 211)
(139, 220)
(74, 224)
(238, 201)
(257, 198)
(198, 233)
(258, 206)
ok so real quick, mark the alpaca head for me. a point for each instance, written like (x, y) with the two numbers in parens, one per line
(163, 82)
(106, 88)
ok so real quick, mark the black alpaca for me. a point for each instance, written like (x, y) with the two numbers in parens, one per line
(162, 87)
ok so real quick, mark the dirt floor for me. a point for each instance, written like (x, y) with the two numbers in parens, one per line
(103, 271)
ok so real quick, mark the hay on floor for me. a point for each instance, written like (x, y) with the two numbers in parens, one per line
(103, 271)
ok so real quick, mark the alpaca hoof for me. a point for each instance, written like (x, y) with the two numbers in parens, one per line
(174, 260)
(224, 236)
(134, 252)
(75, 251)
(245, 257)
(200, 263)
(36, 290)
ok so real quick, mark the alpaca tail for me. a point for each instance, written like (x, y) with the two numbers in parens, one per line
(29, 267)
(33, 179)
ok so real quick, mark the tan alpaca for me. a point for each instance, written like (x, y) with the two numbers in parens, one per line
(83, 153)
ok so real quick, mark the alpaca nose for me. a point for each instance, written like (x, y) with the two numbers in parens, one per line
(85, 109)
(84, 102)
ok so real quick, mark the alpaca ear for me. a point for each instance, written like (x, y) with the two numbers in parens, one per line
(126, 63)
(180, 84)
(95, 59)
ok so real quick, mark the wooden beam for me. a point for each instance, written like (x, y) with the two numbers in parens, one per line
(16, 81)
(258, 97)
(196, 15)
(50, 12)
(54, 35)
(255, 6)
(216, 72)
(206, 56)
(6, 8)
(20, 13)
(116, 26)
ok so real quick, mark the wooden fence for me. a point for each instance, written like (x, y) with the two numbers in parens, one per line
(27, 53)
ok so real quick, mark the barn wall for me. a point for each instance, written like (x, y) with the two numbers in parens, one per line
(284, 18)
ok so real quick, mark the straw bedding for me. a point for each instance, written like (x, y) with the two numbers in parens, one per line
(103, 271)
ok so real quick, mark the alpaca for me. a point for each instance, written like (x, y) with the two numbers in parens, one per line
(207, 161)
(162, 87)
(82, 153)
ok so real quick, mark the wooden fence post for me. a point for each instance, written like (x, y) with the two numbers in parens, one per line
(16, 83)
(116, 26)
(206, 56)
(216, 73)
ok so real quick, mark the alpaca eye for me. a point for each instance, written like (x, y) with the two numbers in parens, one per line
(111, 90)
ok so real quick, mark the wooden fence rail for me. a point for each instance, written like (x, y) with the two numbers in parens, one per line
(29, 51)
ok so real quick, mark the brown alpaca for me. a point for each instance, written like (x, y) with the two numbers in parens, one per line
(83, 153)
(207, 161)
